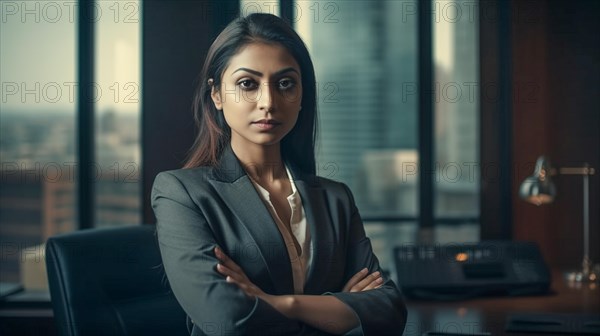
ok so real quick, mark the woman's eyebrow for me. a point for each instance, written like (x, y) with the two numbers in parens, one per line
(258, 73)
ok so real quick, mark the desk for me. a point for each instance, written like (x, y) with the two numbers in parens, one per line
(30, 313)
(490, 314)
(27, 313)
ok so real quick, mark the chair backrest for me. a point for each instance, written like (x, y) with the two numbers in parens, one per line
(110, 281)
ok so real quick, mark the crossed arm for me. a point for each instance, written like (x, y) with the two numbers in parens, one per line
(309, 309)
(187, 243)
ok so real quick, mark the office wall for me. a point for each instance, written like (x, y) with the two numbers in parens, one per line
(555, 111)
(176, 36)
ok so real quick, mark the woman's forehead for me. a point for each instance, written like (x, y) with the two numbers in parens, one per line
(266, 58)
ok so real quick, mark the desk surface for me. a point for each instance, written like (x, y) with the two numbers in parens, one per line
(490, 314)
(484, 314)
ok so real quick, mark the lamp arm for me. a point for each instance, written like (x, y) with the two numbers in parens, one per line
(574, 171)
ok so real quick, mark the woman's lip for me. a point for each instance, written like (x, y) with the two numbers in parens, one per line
(266, 121)
(265, 125)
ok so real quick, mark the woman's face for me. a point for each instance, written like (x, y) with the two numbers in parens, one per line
(260, 94)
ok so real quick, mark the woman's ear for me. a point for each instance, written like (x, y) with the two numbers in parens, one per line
(215, 95)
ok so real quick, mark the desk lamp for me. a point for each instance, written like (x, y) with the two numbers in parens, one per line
(539, 189)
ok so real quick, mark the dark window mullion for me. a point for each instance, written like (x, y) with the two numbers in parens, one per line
(504, 73)
(426, 150)
(85, 114)
(287, 11)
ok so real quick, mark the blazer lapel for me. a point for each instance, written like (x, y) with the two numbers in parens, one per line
(321, 230)
(238, 192)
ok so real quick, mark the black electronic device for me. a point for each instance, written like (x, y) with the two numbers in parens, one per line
(462, 271)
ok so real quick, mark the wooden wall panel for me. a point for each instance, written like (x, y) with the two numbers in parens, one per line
(556, 75)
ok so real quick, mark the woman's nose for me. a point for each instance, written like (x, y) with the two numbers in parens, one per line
(266, 98)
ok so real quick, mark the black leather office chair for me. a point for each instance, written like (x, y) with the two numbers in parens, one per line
(109, 281)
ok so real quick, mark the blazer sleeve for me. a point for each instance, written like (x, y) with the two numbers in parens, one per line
(381, 311)
(186, 243)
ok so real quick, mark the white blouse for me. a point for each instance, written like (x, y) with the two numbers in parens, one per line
(300, 263)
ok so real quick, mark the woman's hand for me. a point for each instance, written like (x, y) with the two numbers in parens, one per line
(235, 274)
(363, 281)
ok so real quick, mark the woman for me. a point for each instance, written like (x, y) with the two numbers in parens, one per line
(252, 241)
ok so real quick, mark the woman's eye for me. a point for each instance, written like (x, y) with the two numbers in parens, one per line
(247, 84)
(286, 84)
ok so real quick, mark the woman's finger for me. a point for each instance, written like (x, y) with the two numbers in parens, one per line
(226, 271)
(374, 284)
(247, 289)
(226, 260)
(235, 278)
(355, 279)
(246, 286)
(223, 269)
(365, 282)
(221, 255)
(235, 274)
(239, 279)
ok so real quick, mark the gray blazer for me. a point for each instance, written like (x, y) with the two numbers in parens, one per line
(200, 208)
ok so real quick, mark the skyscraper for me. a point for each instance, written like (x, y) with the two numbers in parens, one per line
(364, 56)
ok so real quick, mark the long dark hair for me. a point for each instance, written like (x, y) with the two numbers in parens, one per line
(298, 146)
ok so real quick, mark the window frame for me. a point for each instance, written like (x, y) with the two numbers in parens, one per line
(85, 115)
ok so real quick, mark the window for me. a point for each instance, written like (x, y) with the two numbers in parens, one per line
(456, 106)
(366, 57)
(117, 137)
(38, 129)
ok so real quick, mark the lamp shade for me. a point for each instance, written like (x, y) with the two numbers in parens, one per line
(538, 188)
